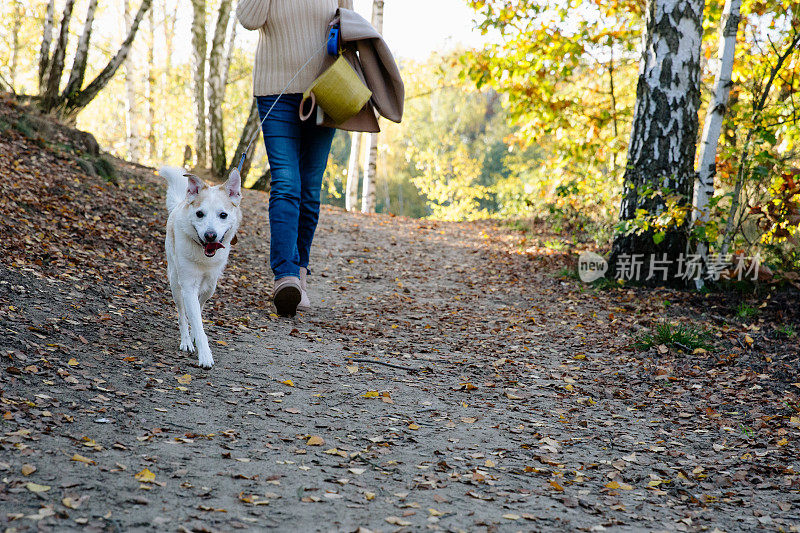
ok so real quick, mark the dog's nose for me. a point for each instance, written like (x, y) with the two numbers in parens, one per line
(210, 236)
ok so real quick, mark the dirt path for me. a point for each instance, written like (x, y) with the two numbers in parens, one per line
(520, 407)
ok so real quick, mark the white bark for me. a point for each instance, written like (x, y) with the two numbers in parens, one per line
(370, 173)
(170, 17)
(199, 47)
(704, 185)
(216, 89)
(56, 64)
(132, 132)
(663, 137)
(152, 89)
(44, 51)
(371, 165)
(76, 77)
(17, 25)
(351, 188)
(75, 102)
(707, 169)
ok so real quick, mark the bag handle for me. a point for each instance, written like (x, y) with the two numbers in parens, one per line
(305, 116)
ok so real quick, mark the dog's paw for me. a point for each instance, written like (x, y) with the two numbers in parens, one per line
(187, 346)
(206, 361)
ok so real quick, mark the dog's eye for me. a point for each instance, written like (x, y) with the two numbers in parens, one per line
(223, 215)
(200, 214)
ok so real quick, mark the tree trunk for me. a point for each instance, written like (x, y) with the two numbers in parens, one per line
(133, 135)
(199, 46)
(56, 64)
(78, 73)
(704, 184)
(351, 188)
(248, 132)
(16, 26)
(44, 52)
(75, 102)
(169, 33)
(152, 88)
(216, 90)
(371, 166)
(370, 173)
(662, 145)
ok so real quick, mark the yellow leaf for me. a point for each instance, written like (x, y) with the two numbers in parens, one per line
(72, 362)
(511, 516)
(371, 394)
(70, 503)
(749, 340)
(315, 441)
(615, 485)
(184, 379)
(81, 459)
(556, 485)
(288, 382)
(413, 426)
(783, 442)
(35, 487)
(369, 496)
(434, 512)
(568, 386)
(145, 476)
(352, 369)
(580, 356)
(489, 463)
(27, 469)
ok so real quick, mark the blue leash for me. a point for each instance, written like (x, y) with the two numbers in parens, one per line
(331, 44)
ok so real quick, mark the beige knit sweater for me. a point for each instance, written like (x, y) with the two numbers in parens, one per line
(289, 32)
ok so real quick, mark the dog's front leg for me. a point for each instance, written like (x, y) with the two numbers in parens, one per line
(191, 302)
(183, 323)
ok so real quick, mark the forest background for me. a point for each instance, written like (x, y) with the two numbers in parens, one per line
(533, 125)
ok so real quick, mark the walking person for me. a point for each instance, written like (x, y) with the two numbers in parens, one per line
(290, 33)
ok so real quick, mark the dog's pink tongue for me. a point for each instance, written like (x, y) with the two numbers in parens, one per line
(211, 247)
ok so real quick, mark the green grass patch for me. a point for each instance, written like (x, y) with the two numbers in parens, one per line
(788, 330)
(686, 338)
(746, 311)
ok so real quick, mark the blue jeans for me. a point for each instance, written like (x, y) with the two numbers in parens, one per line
(298, 154)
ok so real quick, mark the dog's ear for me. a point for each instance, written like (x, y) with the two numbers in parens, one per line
(234, 186)
(194, 187)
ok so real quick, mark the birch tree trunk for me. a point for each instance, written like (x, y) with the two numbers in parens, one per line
(351, 188)
(248, 132)
(216, 89)
(56, 63)
(152, 88)
(132, 133)
(662, 145)
(707, 169)
(17, 25)
(76, 76)
(170, 16)
(75, 102)
(371, 165)
(199, 46)
(44, 51)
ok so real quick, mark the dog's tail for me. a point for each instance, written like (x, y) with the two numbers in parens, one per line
(177, 183)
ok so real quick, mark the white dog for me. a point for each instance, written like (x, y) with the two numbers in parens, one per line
(202, 223)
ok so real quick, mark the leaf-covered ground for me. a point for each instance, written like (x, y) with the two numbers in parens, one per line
(516, 400)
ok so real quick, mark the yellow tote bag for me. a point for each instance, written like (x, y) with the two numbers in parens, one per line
(338, 91)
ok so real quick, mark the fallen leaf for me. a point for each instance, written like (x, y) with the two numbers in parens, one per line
(35, 487)
(397, 521)
(81, 459)
(27, 469)
(145, 476)
(288, 382)
(184, 379)
(315, 441)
